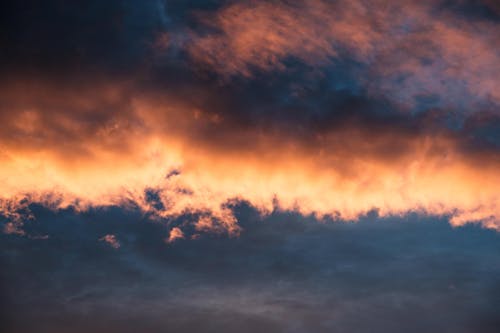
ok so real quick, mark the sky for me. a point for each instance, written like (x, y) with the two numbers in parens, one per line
(238, 165)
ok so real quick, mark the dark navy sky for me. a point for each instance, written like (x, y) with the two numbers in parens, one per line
(250, 166)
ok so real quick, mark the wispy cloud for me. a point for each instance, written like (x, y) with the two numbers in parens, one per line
(410, 51)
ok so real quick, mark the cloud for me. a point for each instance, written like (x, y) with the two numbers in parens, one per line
(261, 35)
(256, 131)
(261, 127)
(174, 235)
(284, 272)
(111, 240)
(412, 53)
(13, 228)
(91, 157)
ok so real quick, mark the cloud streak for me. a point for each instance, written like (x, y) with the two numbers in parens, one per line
(409, 51)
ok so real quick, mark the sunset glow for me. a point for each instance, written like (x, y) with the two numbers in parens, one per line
(250, 166)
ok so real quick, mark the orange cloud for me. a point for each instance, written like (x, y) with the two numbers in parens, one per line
(175, 234)
(62, 159)
(262, 35)
(411, 49)
(111, 240)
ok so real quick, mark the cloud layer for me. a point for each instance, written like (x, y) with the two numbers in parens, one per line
(325, 108)
(283, 274)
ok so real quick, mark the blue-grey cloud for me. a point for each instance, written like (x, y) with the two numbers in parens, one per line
(284, 274)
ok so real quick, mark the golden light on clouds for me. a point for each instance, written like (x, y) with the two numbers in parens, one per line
(93, 139)
(157, 145)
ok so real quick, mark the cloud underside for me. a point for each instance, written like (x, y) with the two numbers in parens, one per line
(170, 158)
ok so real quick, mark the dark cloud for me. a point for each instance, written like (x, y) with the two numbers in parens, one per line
(284, 273)
(474, 9)
(114, 43)
(164, 164)
(60, 37)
